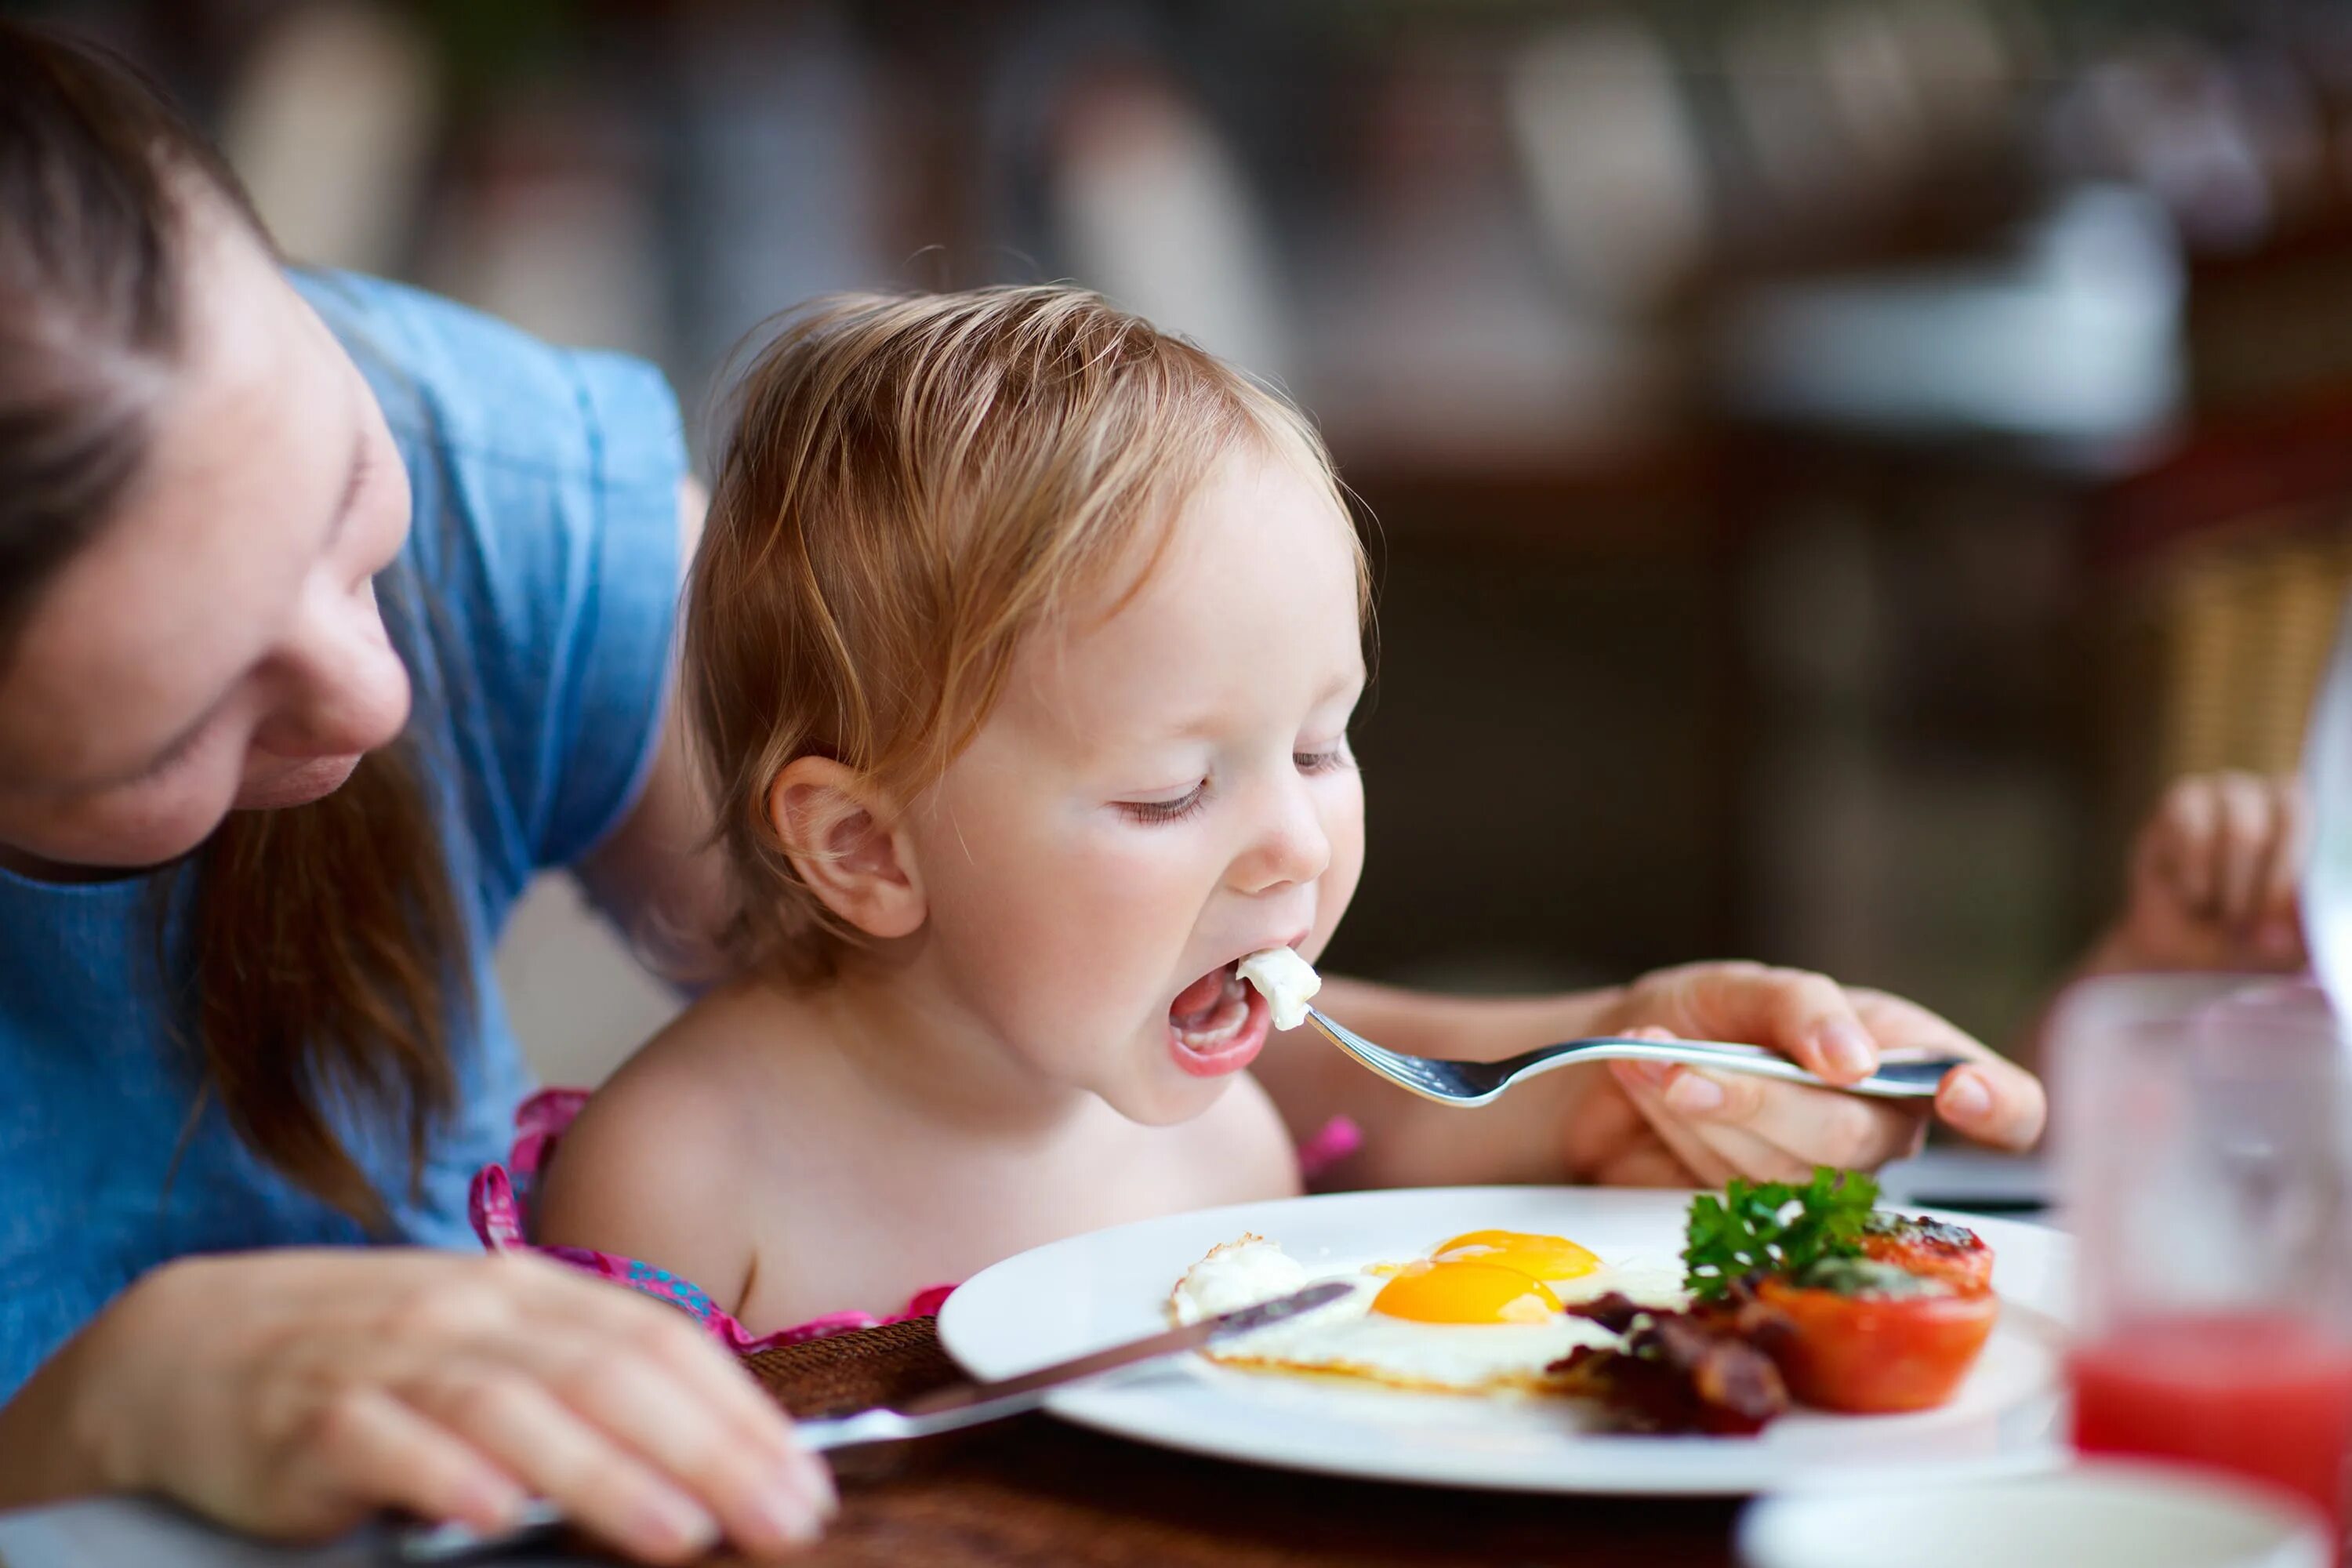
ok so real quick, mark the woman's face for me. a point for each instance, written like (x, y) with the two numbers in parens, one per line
(216, 647)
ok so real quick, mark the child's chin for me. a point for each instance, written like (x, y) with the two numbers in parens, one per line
(1170, 1098)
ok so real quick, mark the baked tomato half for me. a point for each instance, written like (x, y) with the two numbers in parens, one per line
(1868, 1338)
(1930, 1248)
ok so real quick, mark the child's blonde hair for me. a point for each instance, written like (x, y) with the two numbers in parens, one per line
(910, 487)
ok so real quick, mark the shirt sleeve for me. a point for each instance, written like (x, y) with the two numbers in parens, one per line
(544, 550)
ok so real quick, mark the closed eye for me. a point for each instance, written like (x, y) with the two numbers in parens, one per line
(1159, 811)
(1330, 760)
(169, 760)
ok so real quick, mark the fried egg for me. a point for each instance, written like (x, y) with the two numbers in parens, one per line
(1479, 1313)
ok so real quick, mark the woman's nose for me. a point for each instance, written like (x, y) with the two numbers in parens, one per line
(346, 690)
(1291, 847)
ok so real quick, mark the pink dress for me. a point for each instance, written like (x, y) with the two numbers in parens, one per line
(501, 1203)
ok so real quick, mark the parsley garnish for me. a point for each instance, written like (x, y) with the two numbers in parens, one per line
(1773, 1227)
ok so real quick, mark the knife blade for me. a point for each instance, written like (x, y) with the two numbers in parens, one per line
(1151, 1348)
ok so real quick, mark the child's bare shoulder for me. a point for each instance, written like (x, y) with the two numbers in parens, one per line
(655, 1165)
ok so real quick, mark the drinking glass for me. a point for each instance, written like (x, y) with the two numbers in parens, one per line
(2207, 1175)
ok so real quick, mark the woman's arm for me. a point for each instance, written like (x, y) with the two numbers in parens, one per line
(296, 1393)
(49, 1449)
(657, 877)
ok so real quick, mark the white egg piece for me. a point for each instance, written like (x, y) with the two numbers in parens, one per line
(1287, 981)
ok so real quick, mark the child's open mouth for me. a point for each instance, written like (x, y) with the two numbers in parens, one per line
(1217, 1024)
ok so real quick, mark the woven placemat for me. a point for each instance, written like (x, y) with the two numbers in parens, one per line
(1037, 1493)
(851, 1372)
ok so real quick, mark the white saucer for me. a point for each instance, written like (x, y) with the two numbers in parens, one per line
(2092, 1515)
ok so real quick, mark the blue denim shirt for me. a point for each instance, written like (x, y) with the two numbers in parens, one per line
(543, 567)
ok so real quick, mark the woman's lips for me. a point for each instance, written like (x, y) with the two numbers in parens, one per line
(295, 783)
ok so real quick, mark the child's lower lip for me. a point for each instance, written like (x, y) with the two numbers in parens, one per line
(1227, 1059)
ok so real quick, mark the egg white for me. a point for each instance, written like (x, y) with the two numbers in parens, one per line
(1348, 1338)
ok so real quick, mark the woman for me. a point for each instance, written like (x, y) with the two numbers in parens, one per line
(329, 613)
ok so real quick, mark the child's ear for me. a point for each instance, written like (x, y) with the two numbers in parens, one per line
(843, 837)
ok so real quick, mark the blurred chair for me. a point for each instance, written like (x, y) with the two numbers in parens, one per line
(2224, 569)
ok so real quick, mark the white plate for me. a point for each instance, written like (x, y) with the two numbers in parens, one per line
(1098, 1289)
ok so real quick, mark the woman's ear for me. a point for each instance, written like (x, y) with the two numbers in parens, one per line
(843, 838)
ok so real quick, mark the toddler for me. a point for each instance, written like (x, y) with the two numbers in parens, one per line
(1021, 644)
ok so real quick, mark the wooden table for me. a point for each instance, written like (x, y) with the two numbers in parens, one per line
(1037, 1491)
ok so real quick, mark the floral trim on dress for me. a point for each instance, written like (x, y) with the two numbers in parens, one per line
(499, 1203)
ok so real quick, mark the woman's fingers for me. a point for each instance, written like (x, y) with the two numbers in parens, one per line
(766, 1503)
(1689, 1144)
(2227, 848)
(1809, 1127)
(2247, 810)
(1994, 1103)
(1803, 1015)
(2177, 848)
(644, 1375)
(1837, 1033)
(1991, 1101)
(369, 1450)
(519, 1423)
(613, 1406)
(1706, 1168)
(726, 1401)
(2277, 927)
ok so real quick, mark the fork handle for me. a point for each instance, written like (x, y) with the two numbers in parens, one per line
(1896, 1079)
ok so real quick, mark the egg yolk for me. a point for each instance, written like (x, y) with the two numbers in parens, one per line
(1537, 1256)
(1476, 1292)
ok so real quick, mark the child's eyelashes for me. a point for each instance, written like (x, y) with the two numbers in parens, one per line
(1193, 802)
(1330, 760)
(1189, 803)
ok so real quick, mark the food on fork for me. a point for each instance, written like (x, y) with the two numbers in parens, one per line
(1285, 980)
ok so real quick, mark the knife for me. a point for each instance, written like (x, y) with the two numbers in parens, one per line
(950, 1409)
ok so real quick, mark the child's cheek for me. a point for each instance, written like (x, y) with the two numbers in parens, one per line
(1345, 825)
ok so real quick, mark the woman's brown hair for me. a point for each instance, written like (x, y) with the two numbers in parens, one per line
(322, 955)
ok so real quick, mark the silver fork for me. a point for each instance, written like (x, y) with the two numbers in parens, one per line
(1475, 1083)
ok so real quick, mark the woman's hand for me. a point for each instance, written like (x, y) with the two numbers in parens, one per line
(293, 1394)
(1678, 1126)
(2212, 882)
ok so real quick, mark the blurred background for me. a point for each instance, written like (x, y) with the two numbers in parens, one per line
(1828, 461)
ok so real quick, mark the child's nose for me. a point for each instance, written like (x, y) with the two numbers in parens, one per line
(1292, 847)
